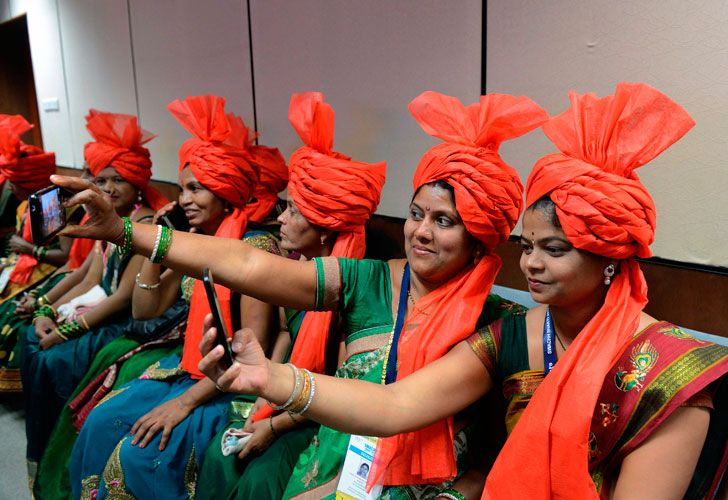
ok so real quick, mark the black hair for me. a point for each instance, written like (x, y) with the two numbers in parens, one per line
(547, 207)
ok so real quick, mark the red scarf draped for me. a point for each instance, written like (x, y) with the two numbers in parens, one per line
(218, 160)
(489, 199)
(331, 191)
(119, 144)
(604, 209)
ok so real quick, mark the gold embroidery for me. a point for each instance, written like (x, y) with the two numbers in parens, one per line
(643, 358)
(609, 413)
(90, 487)
(332, 283)
(678, 333)
(191, 475)
(154, 372)
(114, 476)
(111, 394)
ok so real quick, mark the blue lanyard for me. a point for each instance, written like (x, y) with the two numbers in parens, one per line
(549, 349)
(401, 309)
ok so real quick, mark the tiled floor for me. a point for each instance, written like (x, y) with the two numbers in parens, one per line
(13, 474)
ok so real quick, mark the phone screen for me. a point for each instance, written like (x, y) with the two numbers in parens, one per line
(47, 214)
(217, 318)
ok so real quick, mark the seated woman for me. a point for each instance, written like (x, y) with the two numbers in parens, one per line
(171, 410)
(397, 316)
(148, 341)
(311, 227)
(600, 396)
(23, 169)
(72, 326)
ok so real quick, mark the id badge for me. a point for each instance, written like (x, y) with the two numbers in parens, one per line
(354, 474)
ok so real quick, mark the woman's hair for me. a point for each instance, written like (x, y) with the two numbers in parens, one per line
(548, 208)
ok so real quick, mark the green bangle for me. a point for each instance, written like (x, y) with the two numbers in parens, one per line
(71, 330)
(46, 311)
(125, 247)
(452, 494)
(165, 241)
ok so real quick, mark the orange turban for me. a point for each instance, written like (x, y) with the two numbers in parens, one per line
(119, 144)
(30, 168)
(331, 191)
(23, 164)
(489, 199)
(218, 159)
(604, 209)
(271, 167)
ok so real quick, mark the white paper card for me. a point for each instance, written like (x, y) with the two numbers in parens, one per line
(354, 474)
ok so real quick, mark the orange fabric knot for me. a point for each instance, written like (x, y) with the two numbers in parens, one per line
(119, 144)
(23, 164)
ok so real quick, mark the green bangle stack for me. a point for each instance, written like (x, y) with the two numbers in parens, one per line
(40, 252)
(71, 330)
(452, 494)
(125, 248)
(45, 311)
(164, 241)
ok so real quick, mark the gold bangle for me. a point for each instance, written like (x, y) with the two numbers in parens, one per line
(145, 286)
(300, 402)
(84, 322)
(58, 332)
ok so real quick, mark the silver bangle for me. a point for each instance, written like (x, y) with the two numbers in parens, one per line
(311, 395)
(156, 244)
(144, 286)
(296, 387)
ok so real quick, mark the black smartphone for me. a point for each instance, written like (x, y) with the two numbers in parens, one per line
(47, 213)
(217, 319)
(176, 219)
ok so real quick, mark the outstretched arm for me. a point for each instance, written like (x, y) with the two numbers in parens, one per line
(233, 263)
(456, 380)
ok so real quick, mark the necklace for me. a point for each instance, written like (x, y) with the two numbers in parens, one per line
(410, 298)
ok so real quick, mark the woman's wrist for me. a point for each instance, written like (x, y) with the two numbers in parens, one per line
(281, 383)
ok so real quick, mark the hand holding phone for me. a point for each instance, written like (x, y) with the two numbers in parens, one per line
(175, 219)
(217, 319)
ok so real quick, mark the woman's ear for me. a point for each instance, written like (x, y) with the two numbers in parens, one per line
(478, 251)
(325, 236)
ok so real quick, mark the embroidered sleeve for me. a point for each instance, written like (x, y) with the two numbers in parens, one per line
(328, 283)
(484, 346)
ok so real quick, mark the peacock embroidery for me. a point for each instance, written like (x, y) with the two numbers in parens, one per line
(643, 358)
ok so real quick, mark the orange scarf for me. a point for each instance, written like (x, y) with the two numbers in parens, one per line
(331, 191)
(489, 199)
(219, 162)
(603, 209)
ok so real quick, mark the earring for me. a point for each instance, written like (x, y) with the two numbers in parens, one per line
(608, 273)
(139, 196)
(323, 240)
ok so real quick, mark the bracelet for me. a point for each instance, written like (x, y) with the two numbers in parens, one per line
(125, 247)
(270, 422)
(162, 244)
(46, 311)
(293, 419)
(42, 301)
(311, 394)
(58, 332)
(145, 286)
(71, 330)
(84, 322)
(452, 494)
(300, 402)
(296, 386)
(42, 251)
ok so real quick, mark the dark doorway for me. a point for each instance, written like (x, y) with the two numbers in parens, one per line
(17, 87)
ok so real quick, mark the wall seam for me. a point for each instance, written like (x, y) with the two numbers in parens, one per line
(133, 61)
(65, 82)
(252, 71)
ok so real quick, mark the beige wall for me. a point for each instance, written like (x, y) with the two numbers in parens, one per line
(543, 49)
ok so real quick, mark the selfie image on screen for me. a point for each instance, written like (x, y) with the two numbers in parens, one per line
(51, 207)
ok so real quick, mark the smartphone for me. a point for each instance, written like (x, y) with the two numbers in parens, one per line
(217, 319)
(176, 219)
(47, 213)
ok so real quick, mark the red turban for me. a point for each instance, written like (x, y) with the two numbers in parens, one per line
(331, 191)
(30, 168)
(118, 143)
(25, 165)
(604, 209)
(217, 158)
(488, 198)
(271, 167)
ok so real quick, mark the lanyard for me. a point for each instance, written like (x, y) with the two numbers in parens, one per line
(549, 349)
(401, 309)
